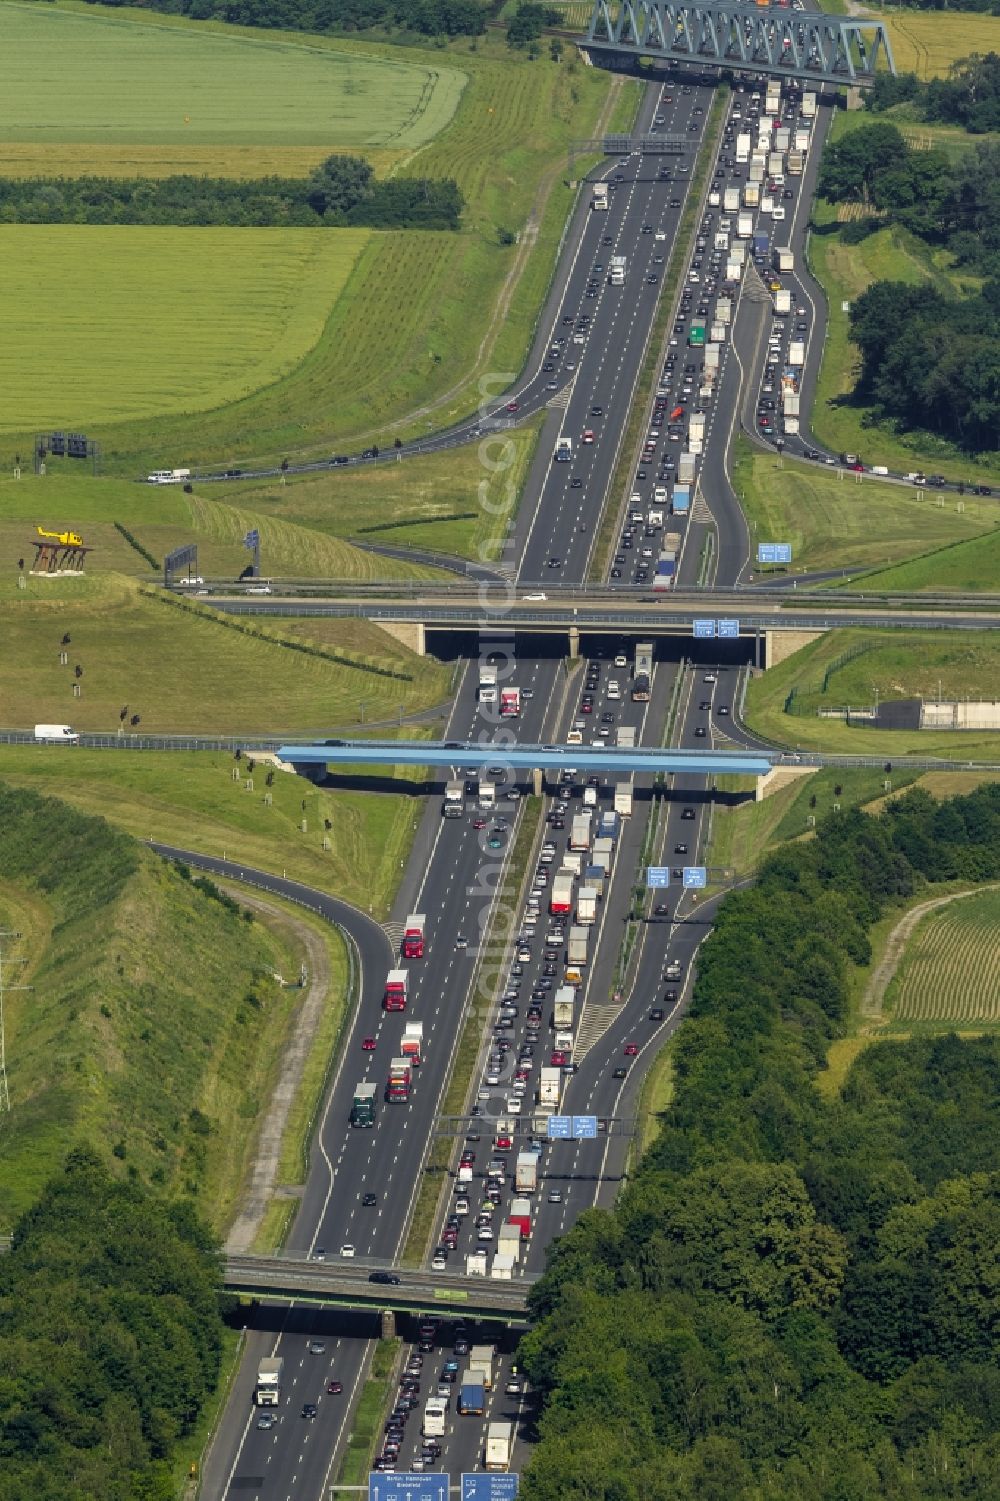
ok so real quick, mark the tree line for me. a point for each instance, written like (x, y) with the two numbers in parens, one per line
(933, 362)
(794, 1295)
(341, 191)
(969, 97)
(424, 17)
(110, 1339)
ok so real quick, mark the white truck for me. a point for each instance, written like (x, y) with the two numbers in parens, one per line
(599, 197)
(744, 226)
(801, 139)
(711, 360)
(487, 795)
(564, 1006)
(782, 300)
(586, 906)
(784, 258)
(731, 200)
(549, 1087)
(743, 146)
(797, 352)
(56, 734)
(563, 450)
(454, 800)
(626, 736)
(579, 835)
(808, 106)
(576, 946)
(526, 1173)
(168, 476)
(696, 426)
(751, 195)
(499, 1438)
(502, 1267)
(782, 138)
(487, 683)
(796, 162)
(475, 1266)
(509, 1241)
(616, 270)
(481, 1359)
(724, 309)
(267, 1392)
(775, 163)
(623, 799)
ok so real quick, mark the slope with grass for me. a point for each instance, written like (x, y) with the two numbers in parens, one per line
(153, 1022)
(188, 669)
(161, 519)
(835, 522)
(854, 667)
(459, 501)
(191, 801)
(969, 567)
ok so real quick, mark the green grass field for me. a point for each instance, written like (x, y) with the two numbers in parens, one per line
(900, 664)
(186, 668)
(133, 81)
(922, 45)
(838, 523)
(73, 159)
(949, 975)
(192, 802)
(458, 502)
(971, 567)
(118, 322)
(161, 519)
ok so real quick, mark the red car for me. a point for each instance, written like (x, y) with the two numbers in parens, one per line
(479, 823)
(335, 1388)
(513, 406)
(588, 435)
(503, 1143)
(368, 1043)
(558, 1059)
(631, 1048)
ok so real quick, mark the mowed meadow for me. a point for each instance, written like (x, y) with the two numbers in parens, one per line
(950, 971)
(189, 353)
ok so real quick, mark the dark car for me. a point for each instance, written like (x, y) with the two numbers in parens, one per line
(309, 1409)
(387, 1279)
(657, 1014)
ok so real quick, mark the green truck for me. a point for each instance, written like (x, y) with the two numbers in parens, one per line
(363, 1108)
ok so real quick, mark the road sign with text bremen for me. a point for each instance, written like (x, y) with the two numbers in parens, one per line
(408, 1487)
(657, 876)
(703, 628)
(502, 1487)
(585, 1127)
(560, 1127)
(774, 552)
(729, 629)
(695, 877)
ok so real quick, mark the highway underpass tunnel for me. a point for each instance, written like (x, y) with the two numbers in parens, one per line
(743, 651)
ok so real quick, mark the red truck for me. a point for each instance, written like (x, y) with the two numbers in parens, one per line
(413, 936)
(394, 998)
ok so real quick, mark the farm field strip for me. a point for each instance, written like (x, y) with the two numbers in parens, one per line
(950, 971)
(93, 159)
(925, 43)
(173, 84)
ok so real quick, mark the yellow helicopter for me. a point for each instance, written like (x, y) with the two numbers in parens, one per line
(65, 539)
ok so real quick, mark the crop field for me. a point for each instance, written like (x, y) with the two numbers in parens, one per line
(133, 81)
(186, 668)
(927, 42)
(114, 322)
(950, 971)
(897, 664)
(829, 520)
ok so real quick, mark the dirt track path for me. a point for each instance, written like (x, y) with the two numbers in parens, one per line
(263, 1171)
(878, 981)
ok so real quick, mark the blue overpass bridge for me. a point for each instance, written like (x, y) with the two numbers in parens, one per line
(809, 48)
(521, 757)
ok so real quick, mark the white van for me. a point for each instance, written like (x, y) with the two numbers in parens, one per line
(614, 688)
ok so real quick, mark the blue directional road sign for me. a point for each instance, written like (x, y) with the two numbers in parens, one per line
(695, 877)
(703, 628)
(585, 1127)
(657, 876)
(252, 538)
(729, 629)
(560, 1127)
(408, 1487)
(490, 1487)
(774, 552)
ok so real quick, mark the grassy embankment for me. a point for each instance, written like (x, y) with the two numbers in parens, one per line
(510, 132)
(153, 1024)
(159, 520)
(459, 502)
(898, 664)
(839, 523)
(845, 271)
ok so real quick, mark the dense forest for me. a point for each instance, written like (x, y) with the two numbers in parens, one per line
(110, 1340)
(340, 191)
(794, 1297)
(425, 17)
(969, 97)
(929, 360)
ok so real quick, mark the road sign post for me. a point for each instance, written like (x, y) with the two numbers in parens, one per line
(774, 552)
(657, 876)
(695, 877)
(559, 1127)
(703, 630)
(407, 1486)
(729, 630)
(498, 1487)
(584, 1127)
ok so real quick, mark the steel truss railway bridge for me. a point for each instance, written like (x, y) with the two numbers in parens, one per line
(810, 48)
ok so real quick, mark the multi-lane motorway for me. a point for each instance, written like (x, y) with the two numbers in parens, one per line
(363, 1184)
